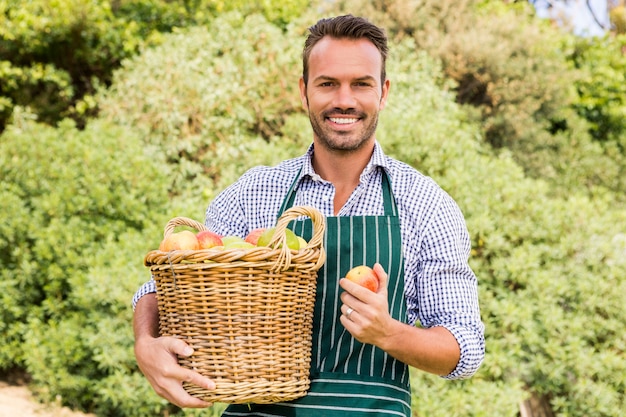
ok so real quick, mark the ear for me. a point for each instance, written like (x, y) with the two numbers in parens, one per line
(385, 92)
(303, 98)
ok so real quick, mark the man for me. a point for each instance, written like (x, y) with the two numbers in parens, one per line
(379, 212)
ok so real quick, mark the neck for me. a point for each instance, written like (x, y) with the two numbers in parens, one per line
(342, 169)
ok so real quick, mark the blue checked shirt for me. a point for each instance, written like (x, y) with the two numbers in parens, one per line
(440, 287)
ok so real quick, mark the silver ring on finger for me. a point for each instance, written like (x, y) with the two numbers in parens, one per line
(349, 311)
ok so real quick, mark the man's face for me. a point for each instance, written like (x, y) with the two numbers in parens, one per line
(344, 92)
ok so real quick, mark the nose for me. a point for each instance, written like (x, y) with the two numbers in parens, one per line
(344, 97)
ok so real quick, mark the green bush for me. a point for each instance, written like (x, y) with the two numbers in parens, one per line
(55, 52)
(53, 55)
(67, 196)
(552, 271)
(207, 96)
(602, 96)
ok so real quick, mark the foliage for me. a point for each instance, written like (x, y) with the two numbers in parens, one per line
(552, 270)
(602, 95)
(617, 15)
(279, 13)
(603, 91)
(207, 87)
(82, 205)
(66, 197)
(53, 55)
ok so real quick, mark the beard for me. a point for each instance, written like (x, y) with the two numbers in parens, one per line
(343, 141)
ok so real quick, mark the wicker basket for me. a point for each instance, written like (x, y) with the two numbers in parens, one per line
(246, 312)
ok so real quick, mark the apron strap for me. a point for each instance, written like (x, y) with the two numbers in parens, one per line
(389, 202)
(290, 198)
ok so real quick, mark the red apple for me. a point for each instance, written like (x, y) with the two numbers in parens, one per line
(185, 240)
(253, 236)
(364, 276)
(207, 239)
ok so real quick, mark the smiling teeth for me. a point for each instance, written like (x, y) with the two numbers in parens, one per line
(342, 121)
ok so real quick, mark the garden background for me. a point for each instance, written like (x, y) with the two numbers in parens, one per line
(116, 116)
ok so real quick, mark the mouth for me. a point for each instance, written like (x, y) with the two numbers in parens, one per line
(344, 120)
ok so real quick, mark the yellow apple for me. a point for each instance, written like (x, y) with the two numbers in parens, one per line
(185, 240)
(364, 276)
(302, 242)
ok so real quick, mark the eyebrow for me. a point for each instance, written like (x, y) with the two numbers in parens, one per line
(329, 78)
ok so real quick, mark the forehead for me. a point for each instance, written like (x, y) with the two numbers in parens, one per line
(332, 57)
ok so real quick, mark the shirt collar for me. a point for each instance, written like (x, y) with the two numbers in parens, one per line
(378, 159)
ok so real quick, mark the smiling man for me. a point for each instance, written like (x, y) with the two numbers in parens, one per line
(379, 212)
(343, 92)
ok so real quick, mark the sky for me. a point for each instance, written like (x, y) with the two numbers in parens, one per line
(577, 15)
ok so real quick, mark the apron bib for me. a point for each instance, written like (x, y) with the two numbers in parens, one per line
(349, 378)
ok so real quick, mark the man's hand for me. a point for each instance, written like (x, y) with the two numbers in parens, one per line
(157, 358)
(365, 314)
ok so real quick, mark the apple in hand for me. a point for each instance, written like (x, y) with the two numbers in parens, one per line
(185, 240)
(253, 236)
(207, 239)
(364, 276)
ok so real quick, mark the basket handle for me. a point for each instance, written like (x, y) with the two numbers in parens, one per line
(279, 239)
(182, 221)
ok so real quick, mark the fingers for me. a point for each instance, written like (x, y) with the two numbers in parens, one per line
(178, 346)
(157, 360)
(181, 348)
(363, 312)
(383, 278)
(364, 294)
(347, 311)
(173, 391)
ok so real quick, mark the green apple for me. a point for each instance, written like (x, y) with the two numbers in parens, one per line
(292, 239)
(239, 245)
(228, 240)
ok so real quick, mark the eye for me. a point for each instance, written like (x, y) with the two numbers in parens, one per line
(326, 84)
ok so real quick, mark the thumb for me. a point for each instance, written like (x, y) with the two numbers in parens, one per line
(179, 347)
(383, 278)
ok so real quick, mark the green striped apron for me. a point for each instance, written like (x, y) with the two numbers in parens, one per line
(349, 378)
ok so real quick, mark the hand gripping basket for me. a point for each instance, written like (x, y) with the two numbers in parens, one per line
(246, 312)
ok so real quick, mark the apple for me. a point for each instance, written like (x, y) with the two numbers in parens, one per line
(239, 244)
(364, 276)
(230, 239)
(185, 240)
(207, 239)
(253, 236)
(302, 242)
(266, 237)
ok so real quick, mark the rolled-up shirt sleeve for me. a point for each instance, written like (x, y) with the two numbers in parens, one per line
(443, 289)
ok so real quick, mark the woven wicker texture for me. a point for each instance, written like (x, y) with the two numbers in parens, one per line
(246, 312)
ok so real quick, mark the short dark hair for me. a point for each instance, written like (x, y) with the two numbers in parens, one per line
(342, 27)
